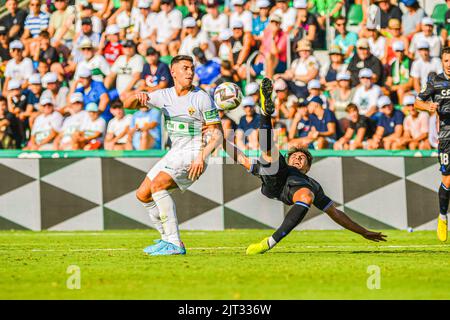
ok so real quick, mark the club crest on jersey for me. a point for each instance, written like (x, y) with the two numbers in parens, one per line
(191, 111)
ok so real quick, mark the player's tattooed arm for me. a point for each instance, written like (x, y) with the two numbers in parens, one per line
(343, 220)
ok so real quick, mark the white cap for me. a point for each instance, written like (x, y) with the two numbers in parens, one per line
(371, 25)
(279, 84)
(35, 78)
(189, 22)
(143, 4)
(45, 99)
(248, 101)
(49, 77)
(398, 46)
(423, 44)
(13, 84)
(314, 84)
(408, 100)
(365, 73)
(236, 24)
(300, 4)
(16, 44)
(76, 97)
(112, 29)
(427, 21)
(251, 88)
(84, 72)
(237, 2)
(343, 76)
(383, 101)
(225, 34)
(262, 4)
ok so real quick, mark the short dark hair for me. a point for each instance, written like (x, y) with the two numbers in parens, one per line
(351, 107)
(180, 58)
(3, 99)
(339, 18)
(116, 104)
(446, 50)
(226, 65)
(305, 151)
(44, 34)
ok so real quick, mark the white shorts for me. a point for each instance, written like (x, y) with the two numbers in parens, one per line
(175, 163)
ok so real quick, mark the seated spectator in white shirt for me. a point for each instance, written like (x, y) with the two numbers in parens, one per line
(18, 68)
(168, 23)
(192, 37)
(144, 24)
(366, 93)
(240, 14)
(288, 15)
(423, 65)
(92, 131)
(213, 22)
(415, 126)
(426, 35)
(145, 129)
(45, 127)
(55, 91)
(72, 124)
(118, 129)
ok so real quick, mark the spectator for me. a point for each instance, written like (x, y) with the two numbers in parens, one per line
(92, 61)
(206, 71)
(168, 23)
(323, 131)
(34, 94)
(9, 127)
(411, 18)
(227, 74)
(324, 9)
(17, 105)
(415, 134)
(86, 35)
(242, 15)
(72, 124)
(155, 73)
(62, 24)
(302, 70)
(364, 59)
(389, 127)
(262, 19)
(14, 20)
(423, 65)
(192, 37)
(388, 11)
(426, 35)
(194, 11)
(377, 42)
(145, 129)
(399, 80)
(360, 129)
(35, 22)
(329, 81)
(4, 49)
(126, 18)
(394, 34)
(94, 92)
(300, 127)
(225, 52)
(118, 129)
(367, 93)
(285, 104)
(247, 130)
(273, 55)
(315, 90)
(92, 130)
(242, 45)
(43, 50)
(306, 26)
(113, 49)
(144, 24)
(345, 39)
(87, 11)
(18, 68)
(55, 91)
(252, 90)
(126, 71)
(46, 127)
(213, 22)
(287, 14)
(342, 95)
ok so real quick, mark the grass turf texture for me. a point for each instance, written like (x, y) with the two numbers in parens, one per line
(306, 265)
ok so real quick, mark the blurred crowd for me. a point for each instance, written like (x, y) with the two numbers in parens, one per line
(345, 73)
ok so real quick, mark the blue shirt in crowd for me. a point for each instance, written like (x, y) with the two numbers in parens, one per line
(142, 117)
(248, 127)
(258, 26)
(208, 72)
(162, 74)
(97, 89)
(389, 123)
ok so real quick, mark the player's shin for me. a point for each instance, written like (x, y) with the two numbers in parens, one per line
(168, 215)
(265, 133)
(294, 216)
(155, 218)
(444, 198)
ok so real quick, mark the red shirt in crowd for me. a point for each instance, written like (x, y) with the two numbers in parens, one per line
(112, 51)
(280, 41)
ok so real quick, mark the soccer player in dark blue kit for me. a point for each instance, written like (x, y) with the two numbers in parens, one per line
(435, 96)
(285, 179)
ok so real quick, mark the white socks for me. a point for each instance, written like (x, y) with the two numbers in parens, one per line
(168, 216)
(271, 242)
(153, 213)
(443, 216)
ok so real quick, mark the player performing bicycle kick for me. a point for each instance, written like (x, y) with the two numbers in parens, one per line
(186, 110)
(286, 180)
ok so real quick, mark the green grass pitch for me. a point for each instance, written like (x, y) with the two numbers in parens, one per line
(306, 265)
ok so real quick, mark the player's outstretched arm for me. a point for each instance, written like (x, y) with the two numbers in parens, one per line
(425, 106)
(236, 154)
(342, 219)
(137, 100)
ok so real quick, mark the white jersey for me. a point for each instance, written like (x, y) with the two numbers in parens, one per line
(118, 126)
(185, 115)
(73, 124)
(44, 125)
(90, 128)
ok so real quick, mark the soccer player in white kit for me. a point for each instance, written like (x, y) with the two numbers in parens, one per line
(186, 111)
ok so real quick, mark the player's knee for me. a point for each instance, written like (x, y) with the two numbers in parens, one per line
(143, 196)
(157, 185)
(304, 195)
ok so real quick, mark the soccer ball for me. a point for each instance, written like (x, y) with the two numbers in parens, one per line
(227, 96)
